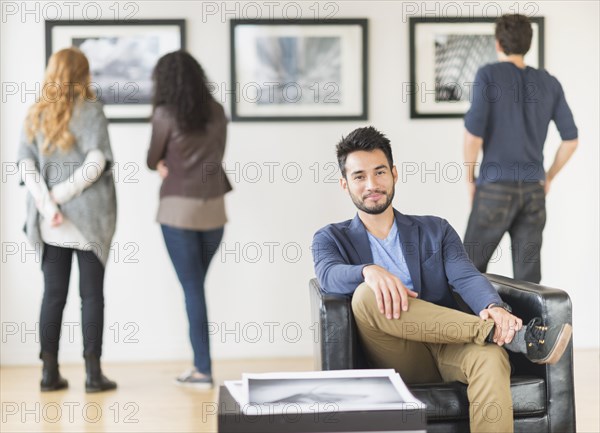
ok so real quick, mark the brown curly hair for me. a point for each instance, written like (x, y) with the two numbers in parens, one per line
(180, 84)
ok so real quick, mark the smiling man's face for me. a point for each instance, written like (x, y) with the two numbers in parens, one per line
(370, 181)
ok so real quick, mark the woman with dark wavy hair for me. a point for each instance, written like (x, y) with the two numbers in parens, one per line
(189, 130)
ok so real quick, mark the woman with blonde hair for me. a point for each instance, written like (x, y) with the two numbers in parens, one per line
(65, 159)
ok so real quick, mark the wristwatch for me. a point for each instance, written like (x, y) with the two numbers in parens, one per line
(503, 305)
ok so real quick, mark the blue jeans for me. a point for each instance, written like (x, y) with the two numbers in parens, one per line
(516, 208)
(191, 252)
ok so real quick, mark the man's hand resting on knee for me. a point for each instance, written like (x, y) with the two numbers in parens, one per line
(506, 324)
(390, 293)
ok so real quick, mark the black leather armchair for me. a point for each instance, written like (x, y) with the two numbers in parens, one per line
(543, 395)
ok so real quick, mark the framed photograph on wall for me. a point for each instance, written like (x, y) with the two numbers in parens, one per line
(298, 70)
(445, 54)
(122, 55)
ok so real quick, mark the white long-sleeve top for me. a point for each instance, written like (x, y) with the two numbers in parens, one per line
(66, 234)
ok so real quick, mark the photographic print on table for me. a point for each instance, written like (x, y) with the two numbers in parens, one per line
(122, 55)
(445, 54)
(299, 70)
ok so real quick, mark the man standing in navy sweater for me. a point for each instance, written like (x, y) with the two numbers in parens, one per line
(403, 272)
(512, 107)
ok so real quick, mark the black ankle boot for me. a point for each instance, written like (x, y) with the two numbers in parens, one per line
(51, 378)
(96, 381)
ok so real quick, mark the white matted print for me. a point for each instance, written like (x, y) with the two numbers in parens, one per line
(299, 70)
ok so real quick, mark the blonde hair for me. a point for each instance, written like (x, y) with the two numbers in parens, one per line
(66, 82)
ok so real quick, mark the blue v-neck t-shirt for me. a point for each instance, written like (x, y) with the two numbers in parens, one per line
(388, 254)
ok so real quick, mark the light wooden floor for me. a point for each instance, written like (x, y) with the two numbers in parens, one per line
(148, 401)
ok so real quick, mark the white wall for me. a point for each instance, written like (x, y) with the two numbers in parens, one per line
(144, 300)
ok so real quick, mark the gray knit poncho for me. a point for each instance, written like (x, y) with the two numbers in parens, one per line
(94, 212)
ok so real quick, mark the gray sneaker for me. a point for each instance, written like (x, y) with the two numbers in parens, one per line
(190, 379)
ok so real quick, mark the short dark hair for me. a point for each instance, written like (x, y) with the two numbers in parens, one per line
(514, 33)
(367, 139)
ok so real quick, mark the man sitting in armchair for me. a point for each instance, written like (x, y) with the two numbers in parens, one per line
(403, 272)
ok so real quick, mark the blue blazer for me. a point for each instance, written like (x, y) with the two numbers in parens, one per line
(435, 256)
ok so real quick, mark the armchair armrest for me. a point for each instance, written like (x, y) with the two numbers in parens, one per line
(337, 346)
(529, 300)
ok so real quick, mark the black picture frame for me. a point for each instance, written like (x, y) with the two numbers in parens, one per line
(128, 98)
(421, 83)
(344, 41)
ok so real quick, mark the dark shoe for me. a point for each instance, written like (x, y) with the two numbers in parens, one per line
(546, 344)
(542, 344)
(51, 378)
(95, 380)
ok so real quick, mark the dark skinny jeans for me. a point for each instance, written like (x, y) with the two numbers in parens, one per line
(56, 266)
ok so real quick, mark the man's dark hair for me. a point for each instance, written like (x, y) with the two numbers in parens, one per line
(514, 33)
(368, 139)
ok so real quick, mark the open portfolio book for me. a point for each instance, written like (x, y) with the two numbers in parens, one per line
(322, 391)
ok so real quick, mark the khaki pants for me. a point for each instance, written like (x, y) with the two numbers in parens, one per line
(429, 343)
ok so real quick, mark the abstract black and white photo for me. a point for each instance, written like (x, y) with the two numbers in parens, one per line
(359, 391)
(122, 66)
(122, 56)
(457, 58)
(299, 69)
(445, 54)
